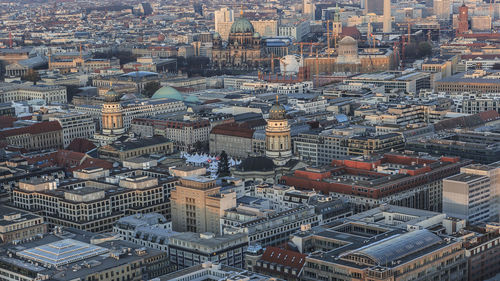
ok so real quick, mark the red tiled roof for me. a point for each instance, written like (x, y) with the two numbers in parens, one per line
(351, 31)
(37, 128)
(7, 121)
(233, 129)
(284, 257)
(489, 115)
(69, 160)
(81, 145)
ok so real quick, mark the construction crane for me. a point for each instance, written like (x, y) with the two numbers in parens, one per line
(306, 44)
(272, 58)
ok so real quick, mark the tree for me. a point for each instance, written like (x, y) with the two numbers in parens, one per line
(223, 169)
(151, 88)
(32, 76)
(424, 49)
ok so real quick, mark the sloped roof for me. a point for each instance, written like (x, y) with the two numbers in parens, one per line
(37, 128)
(284, 257)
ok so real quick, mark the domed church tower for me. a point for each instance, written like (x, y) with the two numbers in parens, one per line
(112, 116)
(278, 140)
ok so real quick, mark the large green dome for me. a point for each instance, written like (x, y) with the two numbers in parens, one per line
(242, 25)
(167, 92)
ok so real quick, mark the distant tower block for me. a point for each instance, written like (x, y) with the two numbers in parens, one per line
(387, 16)
(463, 19)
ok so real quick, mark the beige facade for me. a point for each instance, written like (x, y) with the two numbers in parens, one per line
(93, 205)
(198, 205)
(121, 152)
(16, 225)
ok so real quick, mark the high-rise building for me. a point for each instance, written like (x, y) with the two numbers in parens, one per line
(374, 6)
(224, 15)
(442, 9)
(387, 25)
(463, 19)
(467, 196)
(198, 204)
(490, 174)
(308, 8)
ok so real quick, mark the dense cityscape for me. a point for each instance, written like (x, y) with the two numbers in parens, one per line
(259, 140)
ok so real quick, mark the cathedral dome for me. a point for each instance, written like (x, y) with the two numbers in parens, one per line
(348, 40)
(277, 112)
(242, 25)
(111, 96)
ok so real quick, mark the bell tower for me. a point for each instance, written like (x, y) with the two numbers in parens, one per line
(278, 140)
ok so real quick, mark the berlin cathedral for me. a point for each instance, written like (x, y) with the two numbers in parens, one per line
(242, 49)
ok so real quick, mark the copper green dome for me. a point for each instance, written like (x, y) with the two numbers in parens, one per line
(167, 92)
(277, 112)
(242, 25)
(112, 96)
(256, 35)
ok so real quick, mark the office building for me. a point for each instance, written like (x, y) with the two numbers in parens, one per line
(75, 125)
(134, 148)
(15, 92)
(198, 205)
(94, 205)
(184, 134)
(442, 9)
(16, 225)
(382, 254)
(473, 195)
(188, 249)
(39, 136)
(367, 182)
(214, 271)
(271, 229)
(70, 254)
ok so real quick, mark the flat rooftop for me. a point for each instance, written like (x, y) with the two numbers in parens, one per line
(465, 177)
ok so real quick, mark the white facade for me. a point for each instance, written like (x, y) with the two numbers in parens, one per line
(309, 106)
(297, 31)
(75, 125)
(50, 94)
(136, 109)
(467, 196)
